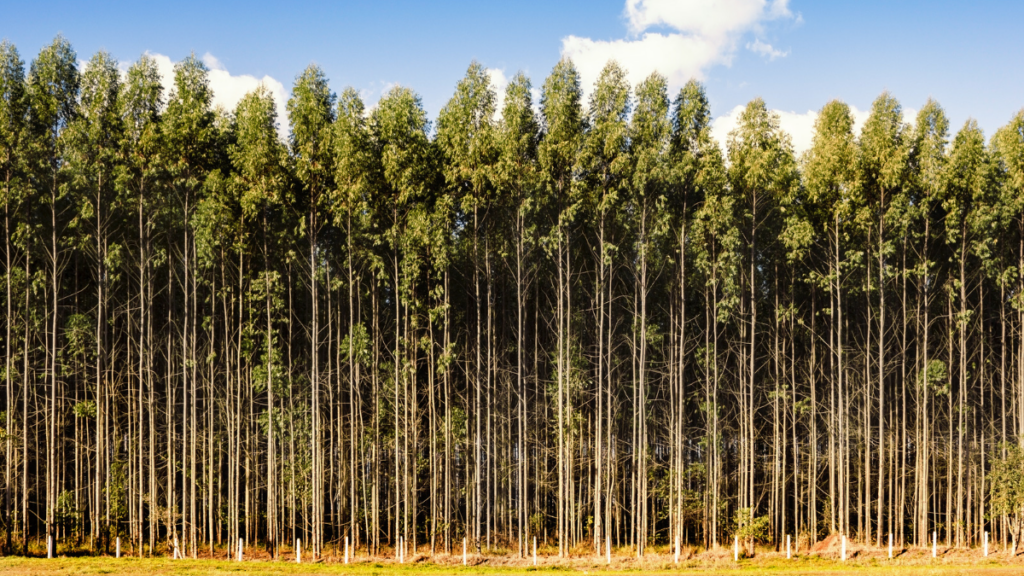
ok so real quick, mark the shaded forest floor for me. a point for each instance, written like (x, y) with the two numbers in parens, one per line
(823, 560)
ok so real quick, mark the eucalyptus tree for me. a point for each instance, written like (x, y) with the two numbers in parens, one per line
(563, 129)
(881, 167)
(465, 137)
(832, 204)
(605, 162)
(311, 116)
(437, 219)
(261, 177)
(967, 211)
(762, 171)
(92, 155)
(694, 164)
(398, 128)
(904, 222)
(221, 236)
(356, 172)
(53, 105)
(715, 247)
(649, 193)
(423, 238)
(13, 116)
(928, 176)
(191, 135)
(793, 259)
(138, 179)
(516, 177)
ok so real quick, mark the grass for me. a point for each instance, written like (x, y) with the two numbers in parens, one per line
(803, 565)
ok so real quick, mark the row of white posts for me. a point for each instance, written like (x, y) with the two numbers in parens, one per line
(789, 554)
(608, 549)
(465, 543)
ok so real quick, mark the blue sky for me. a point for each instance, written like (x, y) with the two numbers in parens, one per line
(795, 54)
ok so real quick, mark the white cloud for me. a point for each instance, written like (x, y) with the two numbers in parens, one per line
(799, 125)
(766, 50)
(703, 17)
(372, 94)
(859, 118)
(909, 116)
(800, 128)
(694, 35)
(535, 94)
(722, 125)
(499, 82)
(228, 89)
(165, 67)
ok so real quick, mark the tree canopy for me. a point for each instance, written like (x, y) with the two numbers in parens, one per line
(576, 317)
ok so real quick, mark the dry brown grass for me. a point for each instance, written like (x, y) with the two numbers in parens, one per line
(822, 560)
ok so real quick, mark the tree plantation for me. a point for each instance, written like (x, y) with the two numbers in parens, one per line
(575, 318)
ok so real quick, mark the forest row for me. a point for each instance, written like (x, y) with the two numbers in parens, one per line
(575, 318)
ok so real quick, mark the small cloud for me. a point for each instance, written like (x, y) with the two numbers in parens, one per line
(499, 82)
(909, 116)
(372, 94)
(800, 127)
(681, 39)
(535, 94)
(212, 62)
(722, 125)
(165, 67)
(766, 50)
(859, 118)
(498, 79)
(703, 17)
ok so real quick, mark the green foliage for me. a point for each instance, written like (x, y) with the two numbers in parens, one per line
(85, 409)
(465, 137)
(650, 131)
(357, 346)
(604, 157)
(53, 86)
(311, 116)
(189, 124)
(1006, 485)
(750, 527)
(935, 377)
(399, 128)
(80, 332)
(65, 513)
(117, 494)
(882, 158)
(563, 127)
(13, 110)
(258, 158)
(519, 132)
